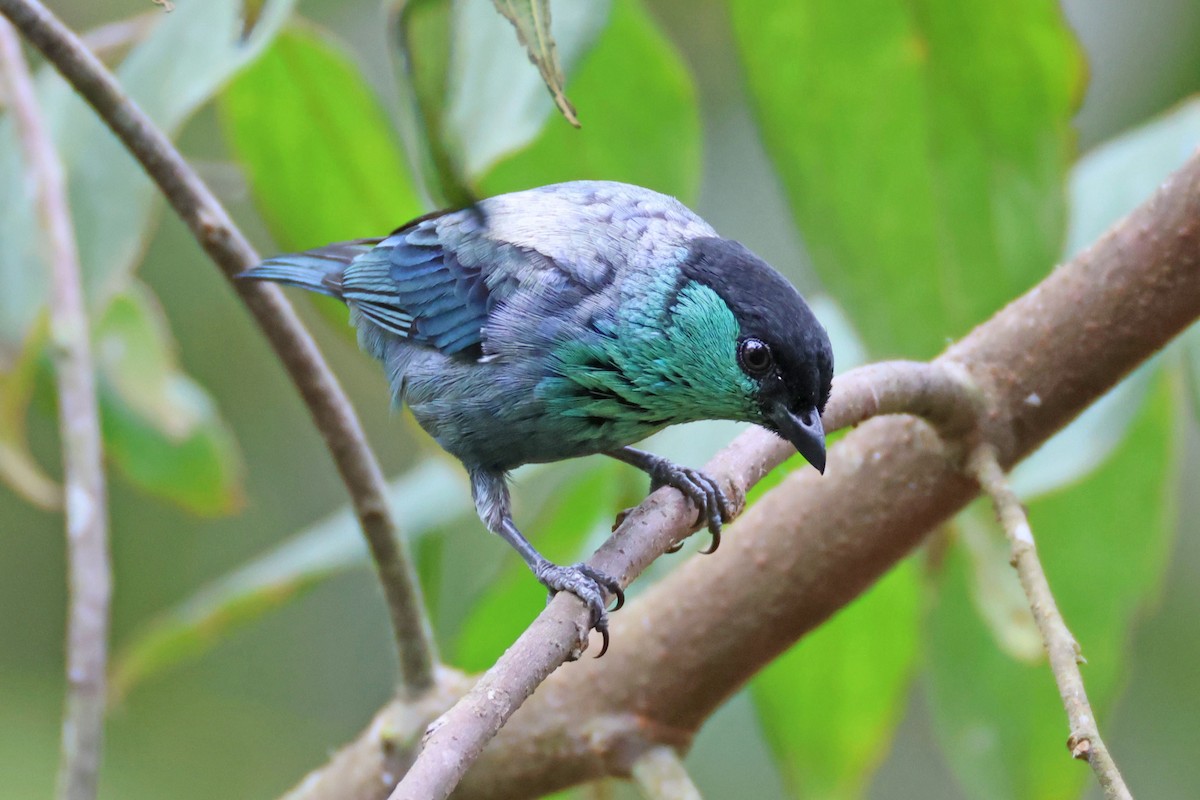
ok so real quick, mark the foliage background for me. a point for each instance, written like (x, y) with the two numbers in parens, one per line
(247, 717)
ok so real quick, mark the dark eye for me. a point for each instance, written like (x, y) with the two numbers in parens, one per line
(755, 357)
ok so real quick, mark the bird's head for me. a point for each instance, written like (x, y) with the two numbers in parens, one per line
(783, 356)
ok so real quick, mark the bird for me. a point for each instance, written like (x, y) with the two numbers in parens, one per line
(574, 319)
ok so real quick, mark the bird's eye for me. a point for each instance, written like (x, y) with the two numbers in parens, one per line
(755, 357)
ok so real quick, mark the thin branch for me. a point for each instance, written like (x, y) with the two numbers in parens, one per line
(86, 508)
(660, 775)
(1084, 742)
(214, 230)
(458, 737)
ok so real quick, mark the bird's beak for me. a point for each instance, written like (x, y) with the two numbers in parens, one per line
(803, 430)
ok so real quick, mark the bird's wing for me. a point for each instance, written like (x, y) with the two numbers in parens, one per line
(413, 286)
(438, 280)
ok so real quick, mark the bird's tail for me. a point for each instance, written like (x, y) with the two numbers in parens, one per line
(318, 270)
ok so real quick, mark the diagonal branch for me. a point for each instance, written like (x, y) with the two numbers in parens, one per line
(89, 570)
(214, 230)
(1084, 742)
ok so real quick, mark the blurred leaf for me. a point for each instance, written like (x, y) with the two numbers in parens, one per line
(830, 704)
(1114, 178)
(316, 145)
(161, 428)
(1000, 721)
(581, 509)
(923, 146)
(643, 124)
(421, 53)
(18, 468)
(496, 102)
(531, 18)
(188, 56)
(995, 590)
(1191, 342)
(430, 496)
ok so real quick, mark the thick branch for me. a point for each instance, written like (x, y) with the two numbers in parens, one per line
(225, 244)
(814, 543)
(1084, 741)
(88, 564)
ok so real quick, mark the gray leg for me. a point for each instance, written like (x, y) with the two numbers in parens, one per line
(490, 491)
(712, 506)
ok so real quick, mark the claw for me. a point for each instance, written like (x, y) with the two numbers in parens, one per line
(712, 506)
(602, 629)
(588, 584)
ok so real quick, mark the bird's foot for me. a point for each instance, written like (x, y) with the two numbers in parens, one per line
(589, 585)
(712, 505)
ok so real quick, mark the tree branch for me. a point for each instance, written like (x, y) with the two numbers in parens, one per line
(89, 569)
(225, 244)
(814, 543)
(1084, 742)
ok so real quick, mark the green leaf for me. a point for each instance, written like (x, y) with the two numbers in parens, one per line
(432, 495)
(1000, 721)
(1191, 346)
(423, 31)
(642, 122)
(922, 145)
(161, 428)
(531, 18)
(1114, 178)
(830, 704)
(316, 145)
(189, 55)
(580, 510)
(18, 467)
(496, 102)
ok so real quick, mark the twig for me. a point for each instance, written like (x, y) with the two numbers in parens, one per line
(225, 244)
(660, 775)
(86, 508)
(1084, 742)
(458, 737)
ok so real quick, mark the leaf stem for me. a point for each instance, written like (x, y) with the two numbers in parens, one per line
(89, 570)
(214, 230)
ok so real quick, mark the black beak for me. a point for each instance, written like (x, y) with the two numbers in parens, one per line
(803, 430)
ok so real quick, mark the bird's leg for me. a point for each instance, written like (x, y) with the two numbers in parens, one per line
(712, 506)
(490, 491)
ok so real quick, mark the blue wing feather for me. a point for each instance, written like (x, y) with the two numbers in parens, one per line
(414, 286)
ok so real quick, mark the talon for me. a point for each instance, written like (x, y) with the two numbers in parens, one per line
(602, 629)
(675, 548)
(714, 544)
(588, 584)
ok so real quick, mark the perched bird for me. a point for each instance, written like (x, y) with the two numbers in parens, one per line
(574, 319)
